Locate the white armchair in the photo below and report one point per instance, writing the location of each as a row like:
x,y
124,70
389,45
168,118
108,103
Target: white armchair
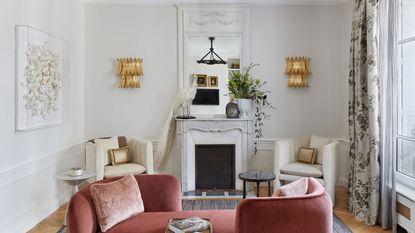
x,y
141,154
287,168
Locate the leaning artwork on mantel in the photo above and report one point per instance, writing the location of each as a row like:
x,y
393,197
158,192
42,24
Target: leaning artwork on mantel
x,y
38,78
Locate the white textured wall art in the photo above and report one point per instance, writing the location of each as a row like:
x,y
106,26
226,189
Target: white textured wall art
x,y
39,79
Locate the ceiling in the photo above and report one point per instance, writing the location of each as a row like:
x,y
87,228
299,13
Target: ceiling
x,y
251,2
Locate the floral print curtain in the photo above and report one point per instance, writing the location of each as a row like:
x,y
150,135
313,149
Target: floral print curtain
x,y
364,118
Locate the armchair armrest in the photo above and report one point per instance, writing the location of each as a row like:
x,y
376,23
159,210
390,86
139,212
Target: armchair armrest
x,y
283,155
94,160
142,152
330,153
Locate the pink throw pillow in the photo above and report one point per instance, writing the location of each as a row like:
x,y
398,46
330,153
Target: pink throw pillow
x,y
116,201
295,188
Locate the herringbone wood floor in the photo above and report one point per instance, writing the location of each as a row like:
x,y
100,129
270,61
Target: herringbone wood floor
x,y
54,222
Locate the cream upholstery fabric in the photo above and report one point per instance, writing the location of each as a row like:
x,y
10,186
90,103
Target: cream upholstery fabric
x,y
141,152
319,143
123,169
303,169
106,145
285,153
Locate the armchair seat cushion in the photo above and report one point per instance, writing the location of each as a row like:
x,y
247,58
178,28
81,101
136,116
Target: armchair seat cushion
x,y
303,169
123,170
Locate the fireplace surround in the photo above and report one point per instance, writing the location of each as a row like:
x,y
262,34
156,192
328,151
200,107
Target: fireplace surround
x,y
217,130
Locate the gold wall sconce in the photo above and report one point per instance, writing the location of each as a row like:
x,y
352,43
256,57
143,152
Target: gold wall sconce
x,y
130,70
298,70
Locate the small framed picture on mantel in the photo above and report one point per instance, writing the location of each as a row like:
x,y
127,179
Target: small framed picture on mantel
x,y
201,79
213,81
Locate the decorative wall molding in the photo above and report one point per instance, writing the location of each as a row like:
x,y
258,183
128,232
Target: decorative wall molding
x,y
210,20
10,175
46,194
250,2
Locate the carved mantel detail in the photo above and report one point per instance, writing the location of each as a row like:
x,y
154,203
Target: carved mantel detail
x,y
212,131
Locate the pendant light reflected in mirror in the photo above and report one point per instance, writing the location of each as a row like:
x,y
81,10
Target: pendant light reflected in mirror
x,y
211,56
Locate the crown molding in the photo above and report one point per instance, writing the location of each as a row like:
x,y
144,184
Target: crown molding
x,y
219,2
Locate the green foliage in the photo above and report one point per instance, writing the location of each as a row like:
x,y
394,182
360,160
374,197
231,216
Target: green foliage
x,y
243,86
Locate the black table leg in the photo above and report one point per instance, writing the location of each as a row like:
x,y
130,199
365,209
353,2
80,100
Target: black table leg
x,y
244,191
269,188
257,189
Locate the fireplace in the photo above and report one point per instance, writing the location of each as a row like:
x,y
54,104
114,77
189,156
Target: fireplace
x,y
219,131
215,166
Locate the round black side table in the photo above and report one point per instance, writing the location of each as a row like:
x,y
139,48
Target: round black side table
x,y
258,177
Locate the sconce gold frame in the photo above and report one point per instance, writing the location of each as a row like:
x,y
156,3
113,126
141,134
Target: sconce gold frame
x,y
298,70
130,70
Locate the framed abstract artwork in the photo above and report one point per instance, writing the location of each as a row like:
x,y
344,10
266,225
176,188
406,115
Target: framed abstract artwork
x,y
39,78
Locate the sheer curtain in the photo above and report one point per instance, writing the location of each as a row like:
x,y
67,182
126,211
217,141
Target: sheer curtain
x,y
388,15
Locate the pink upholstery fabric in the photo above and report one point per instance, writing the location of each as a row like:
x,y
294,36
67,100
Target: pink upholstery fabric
x,y
295,188
223,221
311,213
159,193
116,201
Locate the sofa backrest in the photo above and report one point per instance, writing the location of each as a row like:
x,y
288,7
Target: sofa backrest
x,y
159,193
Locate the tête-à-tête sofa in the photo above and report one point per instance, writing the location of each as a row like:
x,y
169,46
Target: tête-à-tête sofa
x,y
161,195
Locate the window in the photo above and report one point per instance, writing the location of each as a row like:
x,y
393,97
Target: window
x,y
406,93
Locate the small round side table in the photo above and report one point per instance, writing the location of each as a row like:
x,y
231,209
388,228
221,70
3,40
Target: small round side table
x,y
258,177
74,181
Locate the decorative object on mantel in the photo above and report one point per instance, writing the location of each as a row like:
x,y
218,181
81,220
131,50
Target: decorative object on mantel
x,y
201,80
298,70
39,78
212,60
213,81
130,70
181,110
248,91
232,110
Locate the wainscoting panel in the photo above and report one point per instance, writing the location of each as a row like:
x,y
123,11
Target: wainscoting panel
x,y
29,192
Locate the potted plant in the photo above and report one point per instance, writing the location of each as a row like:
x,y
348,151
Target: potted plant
x,y
249,91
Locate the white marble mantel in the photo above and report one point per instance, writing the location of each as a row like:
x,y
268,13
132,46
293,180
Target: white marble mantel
x,y
212,130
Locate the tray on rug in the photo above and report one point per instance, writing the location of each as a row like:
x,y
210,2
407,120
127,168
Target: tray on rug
x,y
210,230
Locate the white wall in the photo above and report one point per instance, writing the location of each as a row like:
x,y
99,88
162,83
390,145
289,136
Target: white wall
x,y
28,191
319,32
145,31
276,32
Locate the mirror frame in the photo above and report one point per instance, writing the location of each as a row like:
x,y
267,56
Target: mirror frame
x,y
210,20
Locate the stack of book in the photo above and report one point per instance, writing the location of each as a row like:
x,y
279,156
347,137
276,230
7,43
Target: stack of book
x,y
188,225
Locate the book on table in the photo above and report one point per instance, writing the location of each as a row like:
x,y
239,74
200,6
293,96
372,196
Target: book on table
x,y
188,225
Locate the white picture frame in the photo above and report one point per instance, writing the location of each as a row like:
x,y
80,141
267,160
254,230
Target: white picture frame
x,y
39,79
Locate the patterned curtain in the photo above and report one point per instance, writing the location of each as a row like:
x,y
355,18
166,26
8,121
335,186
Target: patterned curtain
x,y
364,118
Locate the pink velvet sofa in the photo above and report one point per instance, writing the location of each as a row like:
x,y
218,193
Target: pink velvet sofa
x,y
161,195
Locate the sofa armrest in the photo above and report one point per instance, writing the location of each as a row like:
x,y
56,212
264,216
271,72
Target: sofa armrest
x,y
282,156
330,153
160,193
284,214
94,160
142,153
81,216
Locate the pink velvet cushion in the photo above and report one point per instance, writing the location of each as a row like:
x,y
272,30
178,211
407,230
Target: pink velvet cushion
x,y
116,201
295,188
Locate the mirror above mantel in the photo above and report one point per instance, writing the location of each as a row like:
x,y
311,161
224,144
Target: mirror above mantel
x,y
229,26
228,47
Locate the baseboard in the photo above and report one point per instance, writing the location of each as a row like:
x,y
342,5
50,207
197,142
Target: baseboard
x,y
342,181
29,193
